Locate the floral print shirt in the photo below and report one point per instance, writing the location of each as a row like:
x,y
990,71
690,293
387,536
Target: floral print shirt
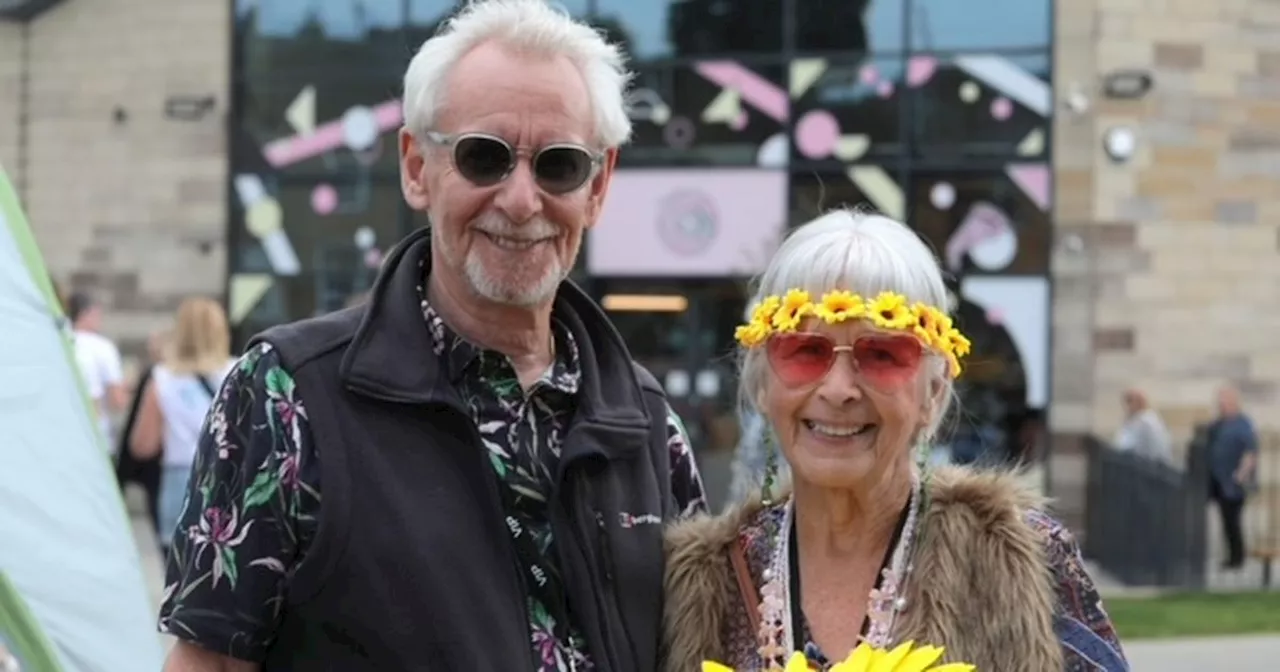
x,y
254,503
1078,605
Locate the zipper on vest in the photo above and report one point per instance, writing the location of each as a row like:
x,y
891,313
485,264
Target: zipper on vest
x,y
605,549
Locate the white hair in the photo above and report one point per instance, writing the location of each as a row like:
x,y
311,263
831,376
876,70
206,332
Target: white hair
x,y
530,26
858,252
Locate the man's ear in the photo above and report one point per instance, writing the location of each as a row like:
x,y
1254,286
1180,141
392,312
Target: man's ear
x,y
600,186
413,179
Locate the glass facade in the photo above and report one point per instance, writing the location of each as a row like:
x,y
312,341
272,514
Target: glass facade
x,y
750,116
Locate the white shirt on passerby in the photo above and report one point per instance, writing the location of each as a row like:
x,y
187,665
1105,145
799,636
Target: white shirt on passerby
x,y
184,402
1144,433
101,368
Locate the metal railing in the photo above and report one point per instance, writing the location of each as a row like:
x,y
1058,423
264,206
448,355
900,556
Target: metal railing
x,y
1145,520
1152,524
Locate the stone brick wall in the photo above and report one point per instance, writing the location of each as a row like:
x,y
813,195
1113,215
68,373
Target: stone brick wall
x,y
124,201
1168,267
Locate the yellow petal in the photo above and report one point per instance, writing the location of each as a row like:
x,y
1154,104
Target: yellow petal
x,y
710,666
889,661
797,663
859,660
919,660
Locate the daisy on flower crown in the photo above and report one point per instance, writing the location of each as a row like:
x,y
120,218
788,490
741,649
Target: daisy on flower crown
x,y
888,310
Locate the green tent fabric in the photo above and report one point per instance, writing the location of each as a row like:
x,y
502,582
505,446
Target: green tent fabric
x,y
72,594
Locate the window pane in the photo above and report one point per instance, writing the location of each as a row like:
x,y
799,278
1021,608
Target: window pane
x,y
981,24
981,105
850,111
986,223
660,340
313,123
850,25
319,35
661,28
642,28
317,227
695,115
286,299
868,186
424,17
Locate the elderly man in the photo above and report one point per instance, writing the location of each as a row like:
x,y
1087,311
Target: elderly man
x,y
467,472
1233,459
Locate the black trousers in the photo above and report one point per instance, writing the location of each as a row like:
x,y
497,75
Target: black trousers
x,y
1232,511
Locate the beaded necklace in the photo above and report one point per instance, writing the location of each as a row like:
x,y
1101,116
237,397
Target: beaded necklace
x,y
776,637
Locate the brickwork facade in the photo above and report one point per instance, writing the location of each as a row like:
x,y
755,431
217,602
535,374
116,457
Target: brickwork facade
x,y
124,201
1167,267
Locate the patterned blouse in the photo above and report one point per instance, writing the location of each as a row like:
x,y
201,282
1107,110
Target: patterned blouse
x,y
253,508
1078,599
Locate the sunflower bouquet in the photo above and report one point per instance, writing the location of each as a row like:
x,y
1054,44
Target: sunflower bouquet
x,y
904,658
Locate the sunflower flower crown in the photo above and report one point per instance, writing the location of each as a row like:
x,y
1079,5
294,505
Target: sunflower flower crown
x,y
889,310
906,657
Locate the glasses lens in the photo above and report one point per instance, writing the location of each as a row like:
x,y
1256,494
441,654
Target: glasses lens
x,y
483,161
560,170
888,360
799,359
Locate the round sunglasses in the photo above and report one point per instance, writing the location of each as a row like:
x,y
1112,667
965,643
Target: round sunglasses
x,y
485,160
884,360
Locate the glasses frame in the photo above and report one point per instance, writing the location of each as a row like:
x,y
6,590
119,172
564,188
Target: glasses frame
x,y
451,140
836,349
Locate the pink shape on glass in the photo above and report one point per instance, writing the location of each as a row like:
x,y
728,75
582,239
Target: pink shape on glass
x,y
1034,180
920,69
324,199
325,138
759,92
817,133
868,74
1001,108
739,122
995,316
885,89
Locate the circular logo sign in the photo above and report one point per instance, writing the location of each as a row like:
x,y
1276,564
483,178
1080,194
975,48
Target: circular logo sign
x,y
687,222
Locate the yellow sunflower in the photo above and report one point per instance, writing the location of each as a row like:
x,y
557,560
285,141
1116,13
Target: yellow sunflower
x,y
890,311
795,307
838,306
926,328
751,335
901,659
763,313
959,344
867,659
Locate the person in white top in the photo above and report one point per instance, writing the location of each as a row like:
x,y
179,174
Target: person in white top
x,y
1143,432
176,400
99,363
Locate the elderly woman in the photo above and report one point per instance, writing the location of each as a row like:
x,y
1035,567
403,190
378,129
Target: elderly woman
x,y
850,357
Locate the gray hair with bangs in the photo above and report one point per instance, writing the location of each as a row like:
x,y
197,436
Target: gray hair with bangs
x,y
859,252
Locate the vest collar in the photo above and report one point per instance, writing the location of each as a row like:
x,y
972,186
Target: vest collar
x,y
391,358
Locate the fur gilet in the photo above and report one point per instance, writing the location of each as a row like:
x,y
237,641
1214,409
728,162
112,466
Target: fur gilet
x,y
981,585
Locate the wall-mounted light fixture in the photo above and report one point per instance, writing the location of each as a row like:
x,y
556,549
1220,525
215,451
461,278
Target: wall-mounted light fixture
x,y
1120,142
1127,84
188,108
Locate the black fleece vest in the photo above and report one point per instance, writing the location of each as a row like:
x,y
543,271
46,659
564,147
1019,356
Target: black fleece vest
x,y
412,567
